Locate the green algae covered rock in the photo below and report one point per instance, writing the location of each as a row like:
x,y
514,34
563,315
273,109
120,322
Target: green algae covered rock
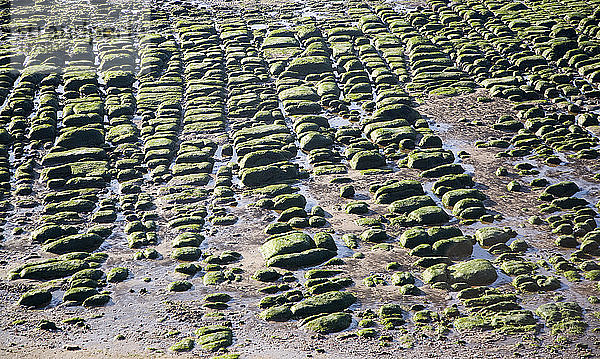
x,y
53,270
329,323
214,337
85,242
489,236
473,272
286,244
117,274
184,345
36,298
281,313
329,302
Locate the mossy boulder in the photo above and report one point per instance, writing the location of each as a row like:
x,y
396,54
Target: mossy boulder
x,y
264,175
402,278
263,158
436,273
398,190
313,140
456,247
396,111
117,274
329,302
187,254
280,313
188,239
562,189
285,244
85,242
36,298
310,65
81,137
426,160
285,201
387,136
184,345
179,286
214,337
428,215
52,270
366,160
489,236
79,294
96,300
214,277
413,237
324,240
51,232
374,235
565,317
307,258
410,204
450,198
473,272
357,207
292,212
329,323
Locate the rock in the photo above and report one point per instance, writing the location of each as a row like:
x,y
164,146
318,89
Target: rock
x,y
97,300
85,242
325,240
436,273
285,201
186,253
79,294
347,191
292,212
374,235
562,189
263,175
366,160
287,243
443,170
402,278
330,302
429,215
513,186
357,207
457,247
179,286
413,237
330,323
187,239
36,298
426,160
117,274
184,345
489,236
53,270
306,258
214,337
263,158
566,317
310,65
450,198
312,140
281,313
474,272
398,190
410,204
81,137
217,297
